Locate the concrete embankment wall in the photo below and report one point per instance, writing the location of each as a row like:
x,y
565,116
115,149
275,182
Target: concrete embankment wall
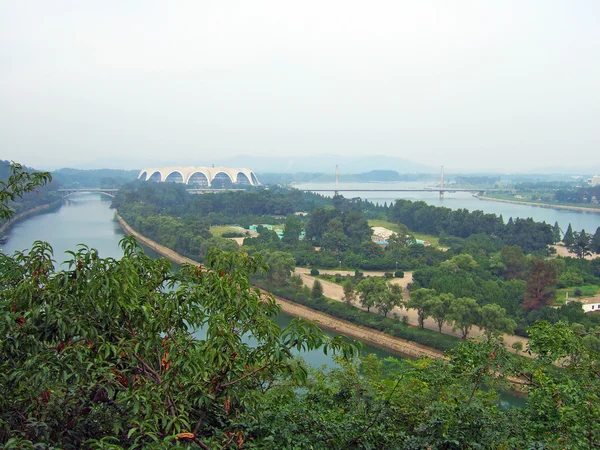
x,y
367,335
28,213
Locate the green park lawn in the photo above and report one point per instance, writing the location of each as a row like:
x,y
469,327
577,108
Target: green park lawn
x,y
588,290
218,230
435,240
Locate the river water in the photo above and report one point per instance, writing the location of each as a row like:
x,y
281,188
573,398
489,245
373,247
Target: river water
x,y
579,220
87,218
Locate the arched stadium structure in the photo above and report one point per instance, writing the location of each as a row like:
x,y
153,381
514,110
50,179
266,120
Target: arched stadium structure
x,y
201,177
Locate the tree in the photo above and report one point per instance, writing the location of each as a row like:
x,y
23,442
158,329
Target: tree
x,y
556,233
517,346
493,320
419,300
401,239
463,262
280,266
439,308
389,298
349,294
19,183
568,238
292,230
595,242
464,313
317,290
581,244
369,291
103,350
540,289
515,262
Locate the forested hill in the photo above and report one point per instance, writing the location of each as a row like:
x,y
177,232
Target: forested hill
x,y
43,195
97,178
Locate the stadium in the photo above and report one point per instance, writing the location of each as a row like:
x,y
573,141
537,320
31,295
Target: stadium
x,y
201,177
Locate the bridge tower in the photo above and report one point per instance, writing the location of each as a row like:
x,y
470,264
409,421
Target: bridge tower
x,y
442,184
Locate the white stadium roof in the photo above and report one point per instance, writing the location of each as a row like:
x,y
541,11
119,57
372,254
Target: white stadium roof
x,y
200,176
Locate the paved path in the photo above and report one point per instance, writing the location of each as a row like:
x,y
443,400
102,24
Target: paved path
x,y
336,292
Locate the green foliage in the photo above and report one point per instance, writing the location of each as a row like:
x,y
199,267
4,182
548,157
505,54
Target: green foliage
x,y
349,294
317,290
493,320
399,274
110,348
541,284
314,272
16,189
420,300
464,313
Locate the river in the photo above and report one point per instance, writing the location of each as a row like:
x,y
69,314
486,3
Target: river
x,y
579,220
87,218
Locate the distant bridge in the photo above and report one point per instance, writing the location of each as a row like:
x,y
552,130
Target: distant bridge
x,y
440,190
68,192
112,192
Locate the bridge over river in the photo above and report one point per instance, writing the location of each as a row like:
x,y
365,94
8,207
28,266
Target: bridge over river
x,y
65,192
480,191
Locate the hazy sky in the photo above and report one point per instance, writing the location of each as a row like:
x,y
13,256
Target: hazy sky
x,y
505,85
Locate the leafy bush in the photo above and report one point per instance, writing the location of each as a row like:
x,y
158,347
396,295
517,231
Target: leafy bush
x,y
314,272
388,275
232,234
399,274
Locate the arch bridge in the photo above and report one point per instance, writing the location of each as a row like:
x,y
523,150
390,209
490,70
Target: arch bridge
x,y
68,192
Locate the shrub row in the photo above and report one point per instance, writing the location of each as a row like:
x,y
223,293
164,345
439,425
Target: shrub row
x,y
391,326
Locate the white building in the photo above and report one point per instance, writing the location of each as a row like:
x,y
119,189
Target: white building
x,y
595,181
588,304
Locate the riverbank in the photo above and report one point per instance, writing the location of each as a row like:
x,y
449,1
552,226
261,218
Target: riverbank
x,y
25,214
541,205
366,335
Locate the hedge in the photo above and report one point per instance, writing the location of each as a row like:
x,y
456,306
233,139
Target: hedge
x,y
357,316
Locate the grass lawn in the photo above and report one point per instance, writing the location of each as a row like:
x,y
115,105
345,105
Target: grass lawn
x,y
435,240
588,290
218,230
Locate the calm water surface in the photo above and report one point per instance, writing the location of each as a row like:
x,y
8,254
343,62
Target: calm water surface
x,y
579,220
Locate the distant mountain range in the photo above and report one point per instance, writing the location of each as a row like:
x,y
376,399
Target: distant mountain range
x,y
282,164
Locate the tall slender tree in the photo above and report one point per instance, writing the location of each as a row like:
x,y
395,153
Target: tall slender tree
x,y
595,242
568,238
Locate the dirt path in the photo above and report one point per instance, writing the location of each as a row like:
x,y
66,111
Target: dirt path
x,y
336,292
561,250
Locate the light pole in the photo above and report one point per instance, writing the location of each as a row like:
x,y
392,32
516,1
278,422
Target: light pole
x,y
340,265
396,266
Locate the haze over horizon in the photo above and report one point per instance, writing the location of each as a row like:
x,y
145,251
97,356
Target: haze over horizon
x,y
504,87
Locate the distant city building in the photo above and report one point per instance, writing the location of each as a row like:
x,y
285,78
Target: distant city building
x,y
595,181
201,177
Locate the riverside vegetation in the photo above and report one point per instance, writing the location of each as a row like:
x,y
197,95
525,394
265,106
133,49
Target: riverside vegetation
x,y
103,355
